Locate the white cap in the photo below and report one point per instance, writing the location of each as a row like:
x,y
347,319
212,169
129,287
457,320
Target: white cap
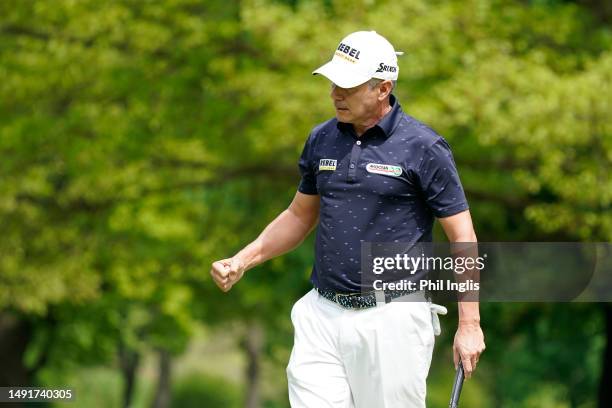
x,y
361,56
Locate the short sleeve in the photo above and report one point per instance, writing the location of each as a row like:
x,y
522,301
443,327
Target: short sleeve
x,y
308,184
439,181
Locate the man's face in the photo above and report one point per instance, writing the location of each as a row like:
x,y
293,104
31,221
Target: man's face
x,y
355,105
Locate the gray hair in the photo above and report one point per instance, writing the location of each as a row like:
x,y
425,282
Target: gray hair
x,y
375,81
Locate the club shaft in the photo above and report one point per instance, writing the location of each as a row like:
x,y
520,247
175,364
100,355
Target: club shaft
x,y
454,402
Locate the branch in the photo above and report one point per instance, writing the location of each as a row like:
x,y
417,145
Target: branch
x,y
285,174
85,42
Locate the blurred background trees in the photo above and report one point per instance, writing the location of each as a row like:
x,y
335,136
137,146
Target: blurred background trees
x,y
141,140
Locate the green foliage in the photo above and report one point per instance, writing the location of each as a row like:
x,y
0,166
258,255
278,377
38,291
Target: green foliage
x,y
203,391
92,387
140,141
557,347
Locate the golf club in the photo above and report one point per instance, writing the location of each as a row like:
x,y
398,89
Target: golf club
x,y
454,401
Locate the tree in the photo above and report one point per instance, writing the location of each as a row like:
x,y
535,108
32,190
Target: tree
x,y
141,141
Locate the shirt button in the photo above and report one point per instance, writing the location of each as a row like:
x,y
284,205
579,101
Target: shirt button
x,y
359,143
352,166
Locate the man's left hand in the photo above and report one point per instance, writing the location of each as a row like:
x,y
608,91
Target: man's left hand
x,y
469,345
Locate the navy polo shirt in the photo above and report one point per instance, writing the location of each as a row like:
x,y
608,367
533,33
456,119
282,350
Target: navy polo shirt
x,y
385,186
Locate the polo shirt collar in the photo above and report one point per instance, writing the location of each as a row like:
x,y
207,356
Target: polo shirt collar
x,y
387,124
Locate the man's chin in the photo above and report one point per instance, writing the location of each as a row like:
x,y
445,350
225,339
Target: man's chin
x,y
342,116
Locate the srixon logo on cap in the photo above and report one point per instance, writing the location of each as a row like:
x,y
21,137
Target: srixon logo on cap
x,y
386,68
348,50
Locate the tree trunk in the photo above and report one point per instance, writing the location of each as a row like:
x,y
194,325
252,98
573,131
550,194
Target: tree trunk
x,y
253,344
162,395
15,335
128,361
605,383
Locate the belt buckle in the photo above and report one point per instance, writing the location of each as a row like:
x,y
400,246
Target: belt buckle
x,y
380,297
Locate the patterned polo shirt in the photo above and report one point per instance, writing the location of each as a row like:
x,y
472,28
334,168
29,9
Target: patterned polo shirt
x,y
385,186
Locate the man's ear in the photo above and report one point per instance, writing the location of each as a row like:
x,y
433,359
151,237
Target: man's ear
x,y
385,89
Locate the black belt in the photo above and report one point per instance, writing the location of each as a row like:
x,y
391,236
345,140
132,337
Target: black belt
x,y
360,300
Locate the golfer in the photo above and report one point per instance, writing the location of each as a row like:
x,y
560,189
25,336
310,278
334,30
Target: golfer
x,y
371,174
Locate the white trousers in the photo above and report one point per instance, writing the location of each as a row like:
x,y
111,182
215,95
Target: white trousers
x,y
365,358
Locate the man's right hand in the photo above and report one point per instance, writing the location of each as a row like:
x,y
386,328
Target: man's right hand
x,y
286,232
227,272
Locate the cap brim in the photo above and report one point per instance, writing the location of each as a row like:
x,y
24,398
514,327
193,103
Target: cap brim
x,y
338,73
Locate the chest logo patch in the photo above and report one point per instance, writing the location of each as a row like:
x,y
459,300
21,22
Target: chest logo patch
x,y
327,164
384,169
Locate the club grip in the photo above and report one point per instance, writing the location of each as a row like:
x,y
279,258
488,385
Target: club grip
x,y
454,402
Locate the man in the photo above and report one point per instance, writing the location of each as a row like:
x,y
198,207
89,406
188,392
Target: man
x,y
371,174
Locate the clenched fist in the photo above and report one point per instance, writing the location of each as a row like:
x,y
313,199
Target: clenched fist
x,y
227,272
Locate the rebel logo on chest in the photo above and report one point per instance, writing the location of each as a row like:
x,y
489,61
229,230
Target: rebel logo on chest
x,y
327,164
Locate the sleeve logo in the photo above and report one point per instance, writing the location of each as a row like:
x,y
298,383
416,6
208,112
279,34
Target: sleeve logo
x,y
327,164
384,169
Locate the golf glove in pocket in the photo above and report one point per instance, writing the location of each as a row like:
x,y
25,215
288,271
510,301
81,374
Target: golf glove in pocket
x,y
435,321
